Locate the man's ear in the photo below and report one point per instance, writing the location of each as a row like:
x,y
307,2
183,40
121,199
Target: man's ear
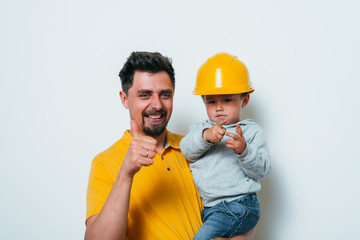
x,y
246,100
124,99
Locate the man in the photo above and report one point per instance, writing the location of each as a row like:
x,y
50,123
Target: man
x,y
141,187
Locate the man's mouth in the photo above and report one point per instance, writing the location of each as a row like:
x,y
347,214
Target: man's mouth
x,y
154,122
155,116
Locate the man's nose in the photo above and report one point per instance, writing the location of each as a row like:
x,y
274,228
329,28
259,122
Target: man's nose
x,y
156,103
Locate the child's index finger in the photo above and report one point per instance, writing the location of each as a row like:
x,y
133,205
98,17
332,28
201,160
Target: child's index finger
x,y
221,122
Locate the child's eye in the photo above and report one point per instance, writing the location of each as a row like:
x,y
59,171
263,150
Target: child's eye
x,y
227,100
211,102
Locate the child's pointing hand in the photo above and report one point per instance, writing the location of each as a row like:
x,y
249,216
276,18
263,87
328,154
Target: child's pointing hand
x,y
215,133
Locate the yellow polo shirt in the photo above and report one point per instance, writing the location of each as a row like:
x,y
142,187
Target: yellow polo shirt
x,y
164,202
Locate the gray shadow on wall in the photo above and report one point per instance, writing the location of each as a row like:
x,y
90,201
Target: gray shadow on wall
x,y
269,186
268,212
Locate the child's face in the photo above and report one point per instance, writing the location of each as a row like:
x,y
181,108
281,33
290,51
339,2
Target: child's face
x,y
225,107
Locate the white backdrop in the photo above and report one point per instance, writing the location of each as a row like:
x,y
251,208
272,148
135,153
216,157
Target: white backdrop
x,y
59,103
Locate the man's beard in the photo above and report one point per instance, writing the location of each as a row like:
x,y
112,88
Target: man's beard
x,y
155,129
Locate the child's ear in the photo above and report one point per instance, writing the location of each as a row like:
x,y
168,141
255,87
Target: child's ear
x,y
246,100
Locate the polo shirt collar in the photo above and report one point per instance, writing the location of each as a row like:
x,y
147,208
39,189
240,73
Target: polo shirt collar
x,y
172,140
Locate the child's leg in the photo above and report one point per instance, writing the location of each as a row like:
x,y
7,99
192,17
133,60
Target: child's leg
x,y
248,236
247,213
230,219
215,223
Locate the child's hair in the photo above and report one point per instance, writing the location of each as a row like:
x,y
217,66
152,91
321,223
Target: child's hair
x,y
242,95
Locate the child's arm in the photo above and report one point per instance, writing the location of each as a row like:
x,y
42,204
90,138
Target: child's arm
x,y
200,140
253,152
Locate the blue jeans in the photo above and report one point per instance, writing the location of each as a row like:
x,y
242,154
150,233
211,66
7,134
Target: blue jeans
x,y
229,219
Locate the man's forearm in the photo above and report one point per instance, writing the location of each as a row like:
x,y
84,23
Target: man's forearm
x,y
111,222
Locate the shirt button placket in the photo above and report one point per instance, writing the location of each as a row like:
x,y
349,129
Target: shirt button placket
x,y
162,158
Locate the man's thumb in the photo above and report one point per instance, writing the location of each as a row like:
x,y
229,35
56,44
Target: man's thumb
x,y
134,128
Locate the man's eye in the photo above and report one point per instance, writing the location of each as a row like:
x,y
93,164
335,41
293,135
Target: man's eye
x,y
166,95
143,96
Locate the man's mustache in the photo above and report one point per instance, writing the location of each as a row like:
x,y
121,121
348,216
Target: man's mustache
x,y
155,112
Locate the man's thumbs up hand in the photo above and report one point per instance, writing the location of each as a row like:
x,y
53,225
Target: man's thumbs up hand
x,y
140,153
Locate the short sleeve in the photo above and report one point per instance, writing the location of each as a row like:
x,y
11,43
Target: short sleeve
x,y
99,187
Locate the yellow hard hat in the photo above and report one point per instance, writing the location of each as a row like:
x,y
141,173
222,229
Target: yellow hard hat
x,y
222,74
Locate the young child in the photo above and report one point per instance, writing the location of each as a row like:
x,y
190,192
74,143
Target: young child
x,y
227,157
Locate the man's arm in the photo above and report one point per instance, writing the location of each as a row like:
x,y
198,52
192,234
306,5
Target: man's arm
x,y
111,222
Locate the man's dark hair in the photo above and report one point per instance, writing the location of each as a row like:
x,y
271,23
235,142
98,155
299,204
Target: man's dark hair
x,y
144,62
